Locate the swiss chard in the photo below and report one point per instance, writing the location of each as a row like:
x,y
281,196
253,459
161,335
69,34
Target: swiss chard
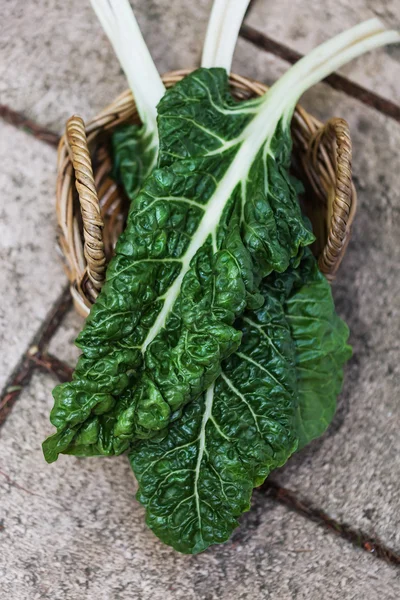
x,y
134,148
133,155
199,236
320,339
217,215
213,351
271,397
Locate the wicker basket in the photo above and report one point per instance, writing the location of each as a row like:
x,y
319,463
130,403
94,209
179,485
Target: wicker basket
x,y
91,214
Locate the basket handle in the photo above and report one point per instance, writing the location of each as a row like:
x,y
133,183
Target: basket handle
x,y
90,209
338,184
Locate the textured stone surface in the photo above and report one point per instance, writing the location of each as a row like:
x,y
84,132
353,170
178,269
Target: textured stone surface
x,y
67,63
252,62
31,276
62,344
73,531
302,25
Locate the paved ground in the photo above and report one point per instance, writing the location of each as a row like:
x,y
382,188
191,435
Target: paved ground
x,y
73,530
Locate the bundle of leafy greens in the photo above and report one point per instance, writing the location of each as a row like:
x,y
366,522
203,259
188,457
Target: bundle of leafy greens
x,y
213,351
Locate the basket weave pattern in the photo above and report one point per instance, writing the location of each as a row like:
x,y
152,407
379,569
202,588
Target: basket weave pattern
x,y
92,208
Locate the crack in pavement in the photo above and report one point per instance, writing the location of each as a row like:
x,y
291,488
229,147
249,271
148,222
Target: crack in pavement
x,y
18,119
36,357
305,508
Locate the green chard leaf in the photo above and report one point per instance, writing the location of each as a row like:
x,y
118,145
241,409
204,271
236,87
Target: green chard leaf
x,y
320,337
198,480
218,213
134,155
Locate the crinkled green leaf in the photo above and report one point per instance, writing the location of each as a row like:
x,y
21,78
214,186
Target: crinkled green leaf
x,y
321,339
219,213
270,398
134,156
199,479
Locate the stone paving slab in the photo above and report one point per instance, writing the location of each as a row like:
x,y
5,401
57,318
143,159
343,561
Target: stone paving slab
x,y
62,343
59,53
254,63
73,531
31,276
302,25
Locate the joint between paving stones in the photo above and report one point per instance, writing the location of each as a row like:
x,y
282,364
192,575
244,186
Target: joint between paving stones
x,y
36,357
306,509
20,121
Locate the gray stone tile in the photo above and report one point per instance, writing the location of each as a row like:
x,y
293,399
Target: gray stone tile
x,y
31,276
59,62
174,31
303,25
62,344
73,531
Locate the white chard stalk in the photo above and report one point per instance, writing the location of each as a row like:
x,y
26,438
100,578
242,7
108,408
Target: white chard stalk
x,y
280,100
122,29
222,33
333,54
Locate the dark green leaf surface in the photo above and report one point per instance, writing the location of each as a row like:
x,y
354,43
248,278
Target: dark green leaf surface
x,y
321,339
134,157
269,399
199,479
218,214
